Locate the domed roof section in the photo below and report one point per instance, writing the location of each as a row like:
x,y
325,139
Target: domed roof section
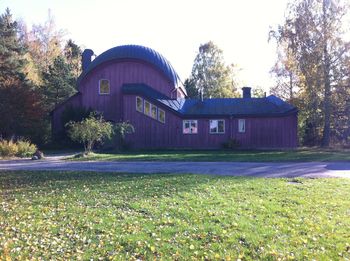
x,y
136,52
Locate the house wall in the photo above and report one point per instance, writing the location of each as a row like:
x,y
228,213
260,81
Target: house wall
x,y
56,123
118,73
268,132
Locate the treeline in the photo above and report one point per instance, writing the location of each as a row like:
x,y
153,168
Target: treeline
x,y
38,70
313,69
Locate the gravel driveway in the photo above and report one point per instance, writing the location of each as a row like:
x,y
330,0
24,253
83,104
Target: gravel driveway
x,y
265,169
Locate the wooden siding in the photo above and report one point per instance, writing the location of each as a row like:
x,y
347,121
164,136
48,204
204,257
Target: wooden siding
x,y
268,132
119,73
278,132
56,123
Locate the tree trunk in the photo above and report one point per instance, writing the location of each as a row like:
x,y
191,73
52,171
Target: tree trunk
x,y
327,106
327,83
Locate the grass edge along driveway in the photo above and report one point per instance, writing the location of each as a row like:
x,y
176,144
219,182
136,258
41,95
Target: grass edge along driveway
x,y
299,155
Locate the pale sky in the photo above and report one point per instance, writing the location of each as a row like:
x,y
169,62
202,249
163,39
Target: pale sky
x,y
173,28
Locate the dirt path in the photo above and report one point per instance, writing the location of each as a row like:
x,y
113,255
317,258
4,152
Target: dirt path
x,y
265,169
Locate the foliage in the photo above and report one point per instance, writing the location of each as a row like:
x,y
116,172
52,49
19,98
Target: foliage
x,y
231,144
19,148
59,83
75,114
37,71
192,91
72,53
83,216
20,105
258,92
121,129
210,75
90,131
44,43
312,68
301,155
8,148
25,148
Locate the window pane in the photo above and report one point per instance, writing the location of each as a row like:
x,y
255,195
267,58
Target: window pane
x,y
104,87
221,126
186,127
139,104
194,126
147,110
213,126
161,115
153,111
241,125
190,126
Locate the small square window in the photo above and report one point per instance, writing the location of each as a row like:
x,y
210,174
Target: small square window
x,y
216,126
190,127
139,104
153,111
241,125
161,115
104,87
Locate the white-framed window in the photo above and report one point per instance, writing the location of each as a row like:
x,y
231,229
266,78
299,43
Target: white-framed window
x,y
241,125
153,111
147,108
161,115
104,87
190,127
217,126
139,104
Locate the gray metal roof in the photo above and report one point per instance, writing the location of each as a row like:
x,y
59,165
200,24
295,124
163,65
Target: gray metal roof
x,y
268,106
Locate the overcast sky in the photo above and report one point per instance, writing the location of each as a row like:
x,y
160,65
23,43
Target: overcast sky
x,y
173,28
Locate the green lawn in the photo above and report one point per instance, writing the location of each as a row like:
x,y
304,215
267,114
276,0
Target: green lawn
x,y
222,155
62,215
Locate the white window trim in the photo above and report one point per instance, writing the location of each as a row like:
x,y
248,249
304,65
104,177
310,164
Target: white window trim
x,y
137,109
218,127
239,129
159,110
99,87
183,126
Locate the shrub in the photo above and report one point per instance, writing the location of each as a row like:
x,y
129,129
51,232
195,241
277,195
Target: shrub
x,y
20,148
231,144
8,148
90,131
121,129
25,148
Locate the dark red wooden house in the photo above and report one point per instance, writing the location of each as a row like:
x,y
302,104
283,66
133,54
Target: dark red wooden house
x,y
137,84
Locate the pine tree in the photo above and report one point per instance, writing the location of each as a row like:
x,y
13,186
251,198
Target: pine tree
x,y
11,51
72,53
59,83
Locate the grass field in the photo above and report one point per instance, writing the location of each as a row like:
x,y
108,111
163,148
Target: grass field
x,y
222,155
77,215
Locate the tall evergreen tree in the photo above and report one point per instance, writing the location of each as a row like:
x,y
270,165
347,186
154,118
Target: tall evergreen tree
x,y
11,51
59,83
72,53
